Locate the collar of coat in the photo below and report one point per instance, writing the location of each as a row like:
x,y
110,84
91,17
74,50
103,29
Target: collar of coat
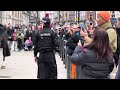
x,y
106,25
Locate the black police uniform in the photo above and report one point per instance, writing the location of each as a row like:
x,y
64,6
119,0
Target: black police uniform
x,y
45,42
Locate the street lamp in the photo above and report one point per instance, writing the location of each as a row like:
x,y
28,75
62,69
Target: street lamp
x,y
78,16
59,17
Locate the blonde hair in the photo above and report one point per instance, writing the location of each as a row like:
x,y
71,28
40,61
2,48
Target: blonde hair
x,y
71,31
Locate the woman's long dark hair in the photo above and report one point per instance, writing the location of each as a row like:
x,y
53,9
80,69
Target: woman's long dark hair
x,y
101,45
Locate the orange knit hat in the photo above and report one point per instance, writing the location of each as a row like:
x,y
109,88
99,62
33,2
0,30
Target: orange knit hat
x,y
105,15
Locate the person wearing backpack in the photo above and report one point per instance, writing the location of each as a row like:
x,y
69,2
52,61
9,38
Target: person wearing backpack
x,y
103,21
96,59
118,32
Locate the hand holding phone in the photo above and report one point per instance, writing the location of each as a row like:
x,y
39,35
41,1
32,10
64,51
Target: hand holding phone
x,y
83,28
79,43
83,33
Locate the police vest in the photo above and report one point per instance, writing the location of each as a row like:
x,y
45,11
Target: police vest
x,y
45,40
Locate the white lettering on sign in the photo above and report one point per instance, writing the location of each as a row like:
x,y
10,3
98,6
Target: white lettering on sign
x,y
45,34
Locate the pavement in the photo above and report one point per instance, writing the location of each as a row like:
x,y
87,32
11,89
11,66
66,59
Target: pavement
x,y
21,65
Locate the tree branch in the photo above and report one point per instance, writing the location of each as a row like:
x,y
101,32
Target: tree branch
x,y
34,14
37,20
28,14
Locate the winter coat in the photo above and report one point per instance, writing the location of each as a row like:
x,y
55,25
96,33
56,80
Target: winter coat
x,y
3,42
72,42
20,35
10,34
111,33
91,68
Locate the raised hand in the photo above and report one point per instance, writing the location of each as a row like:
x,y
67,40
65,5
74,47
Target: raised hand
x,y
79,43
84,34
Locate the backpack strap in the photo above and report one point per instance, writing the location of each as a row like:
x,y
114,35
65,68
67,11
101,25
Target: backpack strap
x,y
109,28
118,41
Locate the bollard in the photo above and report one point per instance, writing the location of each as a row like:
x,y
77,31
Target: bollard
x,y
68,67
14,45
59,52
73,71
61,48
66,57
63,51
66,62
77,72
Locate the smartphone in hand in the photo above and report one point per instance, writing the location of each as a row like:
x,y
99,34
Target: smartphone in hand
x,y
79,43
83,28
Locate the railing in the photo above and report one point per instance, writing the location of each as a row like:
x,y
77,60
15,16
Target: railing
x,y
66,60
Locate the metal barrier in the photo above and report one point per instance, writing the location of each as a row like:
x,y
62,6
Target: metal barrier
x,y
66,60
64,51
77,72
61,48
68,67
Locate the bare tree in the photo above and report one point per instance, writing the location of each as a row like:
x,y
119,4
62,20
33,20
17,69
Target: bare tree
x,y
34,15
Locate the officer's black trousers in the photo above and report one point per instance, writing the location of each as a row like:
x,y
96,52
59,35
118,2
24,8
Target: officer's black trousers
x,y
47,70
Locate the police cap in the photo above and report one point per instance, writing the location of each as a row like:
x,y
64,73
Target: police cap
x,y
46,20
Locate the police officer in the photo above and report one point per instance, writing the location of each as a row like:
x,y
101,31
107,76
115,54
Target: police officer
x,y
45,42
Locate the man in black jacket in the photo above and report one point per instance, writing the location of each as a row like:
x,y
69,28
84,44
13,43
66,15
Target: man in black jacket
x,y
10,32
45,42
67,33
4,44
73,40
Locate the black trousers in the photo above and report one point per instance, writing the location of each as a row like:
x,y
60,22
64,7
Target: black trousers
x,y
116,58
47,70
19,42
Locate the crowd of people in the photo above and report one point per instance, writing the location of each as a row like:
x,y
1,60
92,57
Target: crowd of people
x,y
21,37
95,48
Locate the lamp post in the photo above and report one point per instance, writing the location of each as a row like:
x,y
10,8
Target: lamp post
x,y
78,16
59,15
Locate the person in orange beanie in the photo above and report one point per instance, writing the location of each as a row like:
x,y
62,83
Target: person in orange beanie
x,y
105,15
103,22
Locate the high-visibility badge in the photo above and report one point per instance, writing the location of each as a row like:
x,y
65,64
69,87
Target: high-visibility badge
x,y
76,19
